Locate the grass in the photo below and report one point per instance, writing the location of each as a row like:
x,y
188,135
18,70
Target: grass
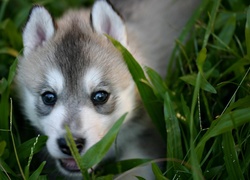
x,y
201,108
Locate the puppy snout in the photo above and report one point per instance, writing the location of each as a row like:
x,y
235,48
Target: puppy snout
x,y
80,142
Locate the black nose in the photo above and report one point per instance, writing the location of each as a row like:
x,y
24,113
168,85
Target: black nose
x,y
80,142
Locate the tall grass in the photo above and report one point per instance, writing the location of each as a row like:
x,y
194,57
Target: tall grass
x,y
201,108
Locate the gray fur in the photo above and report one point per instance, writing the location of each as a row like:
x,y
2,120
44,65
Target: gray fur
x,y
154,26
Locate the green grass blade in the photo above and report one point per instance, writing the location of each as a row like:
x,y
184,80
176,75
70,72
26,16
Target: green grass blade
x,y
9,51
123,166
3,8
38,171
236,5
205,85
233,96
245,164
183,35
108,177
149,99
5,104
236,66
174,142
140,178
159,85
247,32
6,168
209,30
3,174
3,85
157,172
32,152
71,144
223,124
24,149
201,59
196,170
11,31
227,32
12,72
241,103
13,141
230,157
95,154
2,147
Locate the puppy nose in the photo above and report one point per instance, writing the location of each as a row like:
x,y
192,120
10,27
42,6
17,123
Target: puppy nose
x,y
80,142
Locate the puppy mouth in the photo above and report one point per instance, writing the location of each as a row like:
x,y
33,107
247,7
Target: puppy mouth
x,y
69,164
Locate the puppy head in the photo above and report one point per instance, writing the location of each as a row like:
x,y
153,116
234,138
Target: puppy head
x,y
72,75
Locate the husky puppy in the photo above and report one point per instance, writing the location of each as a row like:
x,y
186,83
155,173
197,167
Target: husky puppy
x,y
71,74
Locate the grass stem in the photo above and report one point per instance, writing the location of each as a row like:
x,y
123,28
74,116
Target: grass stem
x,y
13,141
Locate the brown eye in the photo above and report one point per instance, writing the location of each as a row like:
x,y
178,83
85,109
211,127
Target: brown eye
x,y
99,97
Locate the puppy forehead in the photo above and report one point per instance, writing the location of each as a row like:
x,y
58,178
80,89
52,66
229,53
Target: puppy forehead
x,y
55,79
93,77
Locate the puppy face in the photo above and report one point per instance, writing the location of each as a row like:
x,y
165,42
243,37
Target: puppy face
x,y
71,75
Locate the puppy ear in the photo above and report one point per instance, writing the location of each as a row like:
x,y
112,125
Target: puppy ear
x,y
39,29
105,20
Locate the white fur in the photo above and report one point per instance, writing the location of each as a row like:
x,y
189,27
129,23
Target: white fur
x,y
94,125
29,106
38,30
106,21
92,78
102,123
55,80
54,129
126,102
49,125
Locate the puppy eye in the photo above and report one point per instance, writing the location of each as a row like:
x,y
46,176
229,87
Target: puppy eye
x,y
99,97
49,98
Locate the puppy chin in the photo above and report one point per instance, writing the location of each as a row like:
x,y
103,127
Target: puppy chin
x,y
68,168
